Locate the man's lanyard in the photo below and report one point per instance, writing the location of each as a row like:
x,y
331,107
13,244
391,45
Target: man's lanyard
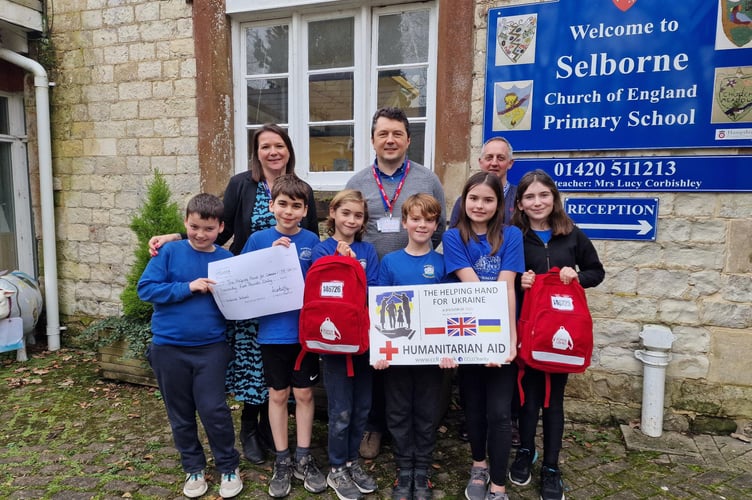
x,y
389,204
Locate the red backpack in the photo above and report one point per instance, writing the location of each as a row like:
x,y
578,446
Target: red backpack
x,y
555,329
334,318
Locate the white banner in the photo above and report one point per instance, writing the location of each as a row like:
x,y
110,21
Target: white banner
x,y
420,324
259,283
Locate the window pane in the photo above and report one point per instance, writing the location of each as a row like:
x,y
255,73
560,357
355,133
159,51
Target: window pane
x,y
8,253
4,120
417,143
331,97
267,101
330,44
267,49
403,38
331,148
404,88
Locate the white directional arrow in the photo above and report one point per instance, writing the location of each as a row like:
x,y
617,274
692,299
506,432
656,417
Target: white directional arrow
x,y
642,227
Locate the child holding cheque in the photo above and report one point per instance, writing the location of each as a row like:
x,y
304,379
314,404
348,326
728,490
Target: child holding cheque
x,y
412,392
481,248
278,338
348,397
188,352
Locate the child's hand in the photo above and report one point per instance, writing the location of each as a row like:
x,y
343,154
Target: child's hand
x,y
156,242
381,364
343,248
527,279
512,353
202,285
567,275
283,241
448,363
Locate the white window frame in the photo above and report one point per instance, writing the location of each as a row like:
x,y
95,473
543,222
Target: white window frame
x,y
297,13
17,138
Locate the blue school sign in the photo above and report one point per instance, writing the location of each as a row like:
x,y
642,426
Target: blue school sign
x,y
620,74
615,218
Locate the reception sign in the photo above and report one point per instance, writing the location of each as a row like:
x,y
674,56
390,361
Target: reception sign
x,y
620,74
420,324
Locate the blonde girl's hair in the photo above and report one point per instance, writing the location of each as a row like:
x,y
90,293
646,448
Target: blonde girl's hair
x,y
559,221
494,234
429,207
346,196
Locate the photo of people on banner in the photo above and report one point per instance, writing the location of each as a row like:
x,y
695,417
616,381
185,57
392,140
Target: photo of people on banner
x,y
420,324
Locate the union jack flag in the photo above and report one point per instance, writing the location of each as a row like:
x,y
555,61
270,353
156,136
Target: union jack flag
x,y
465,326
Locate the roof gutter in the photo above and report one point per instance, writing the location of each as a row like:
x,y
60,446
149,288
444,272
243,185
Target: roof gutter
x,y
44,144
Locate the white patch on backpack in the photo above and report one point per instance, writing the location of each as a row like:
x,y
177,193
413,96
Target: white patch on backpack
x,y
562,340
332,289
562,302
329,330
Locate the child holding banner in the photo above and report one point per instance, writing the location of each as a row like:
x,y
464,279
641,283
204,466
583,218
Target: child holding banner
x,y
550,240
481,248
413,392
278,338
348,398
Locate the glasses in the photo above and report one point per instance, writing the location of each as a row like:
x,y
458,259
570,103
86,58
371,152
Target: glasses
x,y
500,158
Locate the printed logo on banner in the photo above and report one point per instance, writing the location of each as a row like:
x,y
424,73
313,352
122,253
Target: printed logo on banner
x,y
394,310
625,5
512,101
516,34
733,93
736,18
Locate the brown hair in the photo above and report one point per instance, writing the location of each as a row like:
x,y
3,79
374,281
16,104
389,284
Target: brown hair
x,y
290,185
346,196
206,206
494,235
429,207
559,221
256,171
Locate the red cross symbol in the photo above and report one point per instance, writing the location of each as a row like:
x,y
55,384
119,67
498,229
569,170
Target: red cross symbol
x,y
388,350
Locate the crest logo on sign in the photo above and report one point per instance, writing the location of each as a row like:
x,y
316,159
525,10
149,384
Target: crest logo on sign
x,y
734,95
516,34
736,19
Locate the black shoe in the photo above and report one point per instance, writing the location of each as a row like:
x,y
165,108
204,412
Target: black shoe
x,y
252,450
519,471
552,488
403,485
422,485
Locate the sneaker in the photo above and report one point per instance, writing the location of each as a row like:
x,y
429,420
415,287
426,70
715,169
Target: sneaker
x,y
195,484
342,484
552,488
478,483
280,485
496,495
370,445
231,484
422,485
403,485
519,471
307,471
364,482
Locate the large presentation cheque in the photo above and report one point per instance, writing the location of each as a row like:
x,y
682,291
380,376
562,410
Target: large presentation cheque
x,y
259,283
420,324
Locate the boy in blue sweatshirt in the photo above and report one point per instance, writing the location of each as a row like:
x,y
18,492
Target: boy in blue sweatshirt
x,y
280,346
189,353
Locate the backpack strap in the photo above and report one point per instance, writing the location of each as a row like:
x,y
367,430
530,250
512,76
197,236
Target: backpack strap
x,y
299,361
349,361
521,375
547,400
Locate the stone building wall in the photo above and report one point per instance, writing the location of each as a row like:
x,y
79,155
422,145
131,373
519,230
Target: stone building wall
x,y
124,103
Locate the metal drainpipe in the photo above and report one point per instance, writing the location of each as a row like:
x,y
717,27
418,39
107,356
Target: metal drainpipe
x,y
655,357
44,145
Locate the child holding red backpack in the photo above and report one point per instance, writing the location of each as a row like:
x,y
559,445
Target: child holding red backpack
x,y
348,397
550,240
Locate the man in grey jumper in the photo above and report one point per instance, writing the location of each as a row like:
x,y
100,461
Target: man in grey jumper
x,y
400,178
386,185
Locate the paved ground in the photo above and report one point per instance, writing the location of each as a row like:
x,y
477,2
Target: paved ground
x,y
67,434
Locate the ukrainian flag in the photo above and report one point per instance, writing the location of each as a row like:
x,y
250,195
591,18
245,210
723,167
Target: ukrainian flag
x,y
489,325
